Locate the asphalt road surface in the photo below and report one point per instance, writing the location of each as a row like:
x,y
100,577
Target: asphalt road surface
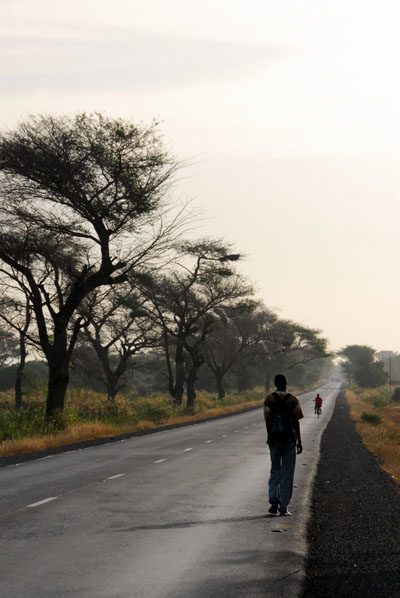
x,y
177,514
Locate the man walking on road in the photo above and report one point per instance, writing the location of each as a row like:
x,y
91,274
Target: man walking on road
x,y
282,412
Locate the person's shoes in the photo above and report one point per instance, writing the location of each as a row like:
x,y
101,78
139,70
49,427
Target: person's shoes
x,y
285,513
273,509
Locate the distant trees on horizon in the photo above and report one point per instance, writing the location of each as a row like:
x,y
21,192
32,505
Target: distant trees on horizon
x,y
361,366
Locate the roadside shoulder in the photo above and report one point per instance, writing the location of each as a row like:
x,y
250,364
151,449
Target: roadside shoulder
x,y
353,529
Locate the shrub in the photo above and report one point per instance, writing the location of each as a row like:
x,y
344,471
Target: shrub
x,y
204,401
28,422
377,397
371,418
90,405
7,400
154,409
396,395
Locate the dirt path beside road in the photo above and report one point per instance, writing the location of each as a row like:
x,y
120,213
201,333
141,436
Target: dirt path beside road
x,y
354,529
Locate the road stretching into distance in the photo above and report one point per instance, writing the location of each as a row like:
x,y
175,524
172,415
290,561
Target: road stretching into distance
x,y
177,514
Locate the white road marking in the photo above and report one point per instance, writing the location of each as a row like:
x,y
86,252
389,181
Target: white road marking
x,y
159,461
236,431
42,502
114,477
223,435
188,449
48,457
207,441
245,427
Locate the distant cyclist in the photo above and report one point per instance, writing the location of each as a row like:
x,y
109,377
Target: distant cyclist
x,y
318,405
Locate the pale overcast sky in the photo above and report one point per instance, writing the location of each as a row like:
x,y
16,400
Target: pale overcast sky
x,y
290,111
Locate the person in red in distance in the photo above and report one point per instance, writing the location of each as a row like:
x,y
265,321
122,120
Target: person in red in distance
x,y
318,404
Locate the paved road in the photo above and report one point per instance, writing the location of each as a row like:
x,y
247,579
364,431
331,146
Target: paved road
x,y
181,513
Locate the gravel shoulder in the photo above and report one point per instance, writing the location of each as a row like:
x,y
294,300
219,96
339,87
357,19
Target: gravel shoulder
x,y
353,532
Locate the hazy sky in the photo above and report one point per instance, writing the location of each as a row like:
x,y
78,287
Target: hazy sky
x,y
289,111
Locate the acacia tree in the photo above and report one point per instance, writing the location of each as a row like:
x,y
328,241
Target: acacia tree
x,y
118,328
289,345
76,194
237,339
183,305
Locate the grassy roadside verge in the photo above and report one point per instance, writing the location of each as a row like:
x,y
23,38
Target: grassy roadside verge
x,y
377,420
88,417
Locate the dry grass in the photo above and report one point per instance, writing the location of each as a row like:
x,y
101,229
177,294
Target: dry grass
x,y
382,438
74,433
78,432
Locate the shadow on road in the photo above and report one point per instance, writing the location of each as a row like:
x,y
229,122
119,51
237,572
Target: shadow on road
x,y
184,524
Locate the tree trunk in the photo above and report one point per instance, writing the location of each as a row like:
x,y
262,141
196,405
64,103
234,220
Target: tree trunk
x,y
191,387
197,362
58,383
58,375
18,387
112,386
179,373
20,369
112,376
219,377
170,374
243,379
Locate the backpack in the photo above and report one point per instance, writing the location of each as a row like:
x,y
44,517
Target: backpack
x,y
281,430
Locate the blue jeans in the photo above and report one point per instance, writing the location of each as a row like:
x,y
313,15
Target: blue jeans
x,y
283,461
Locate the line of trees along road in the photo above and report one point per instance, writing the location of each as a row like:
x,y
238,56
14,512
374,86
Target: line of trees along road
x,y
93,264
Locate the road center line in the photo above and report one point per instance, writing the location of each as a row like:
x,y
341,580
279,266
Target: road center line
x,y
188,449
42,502
159,461
207,441
114,477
